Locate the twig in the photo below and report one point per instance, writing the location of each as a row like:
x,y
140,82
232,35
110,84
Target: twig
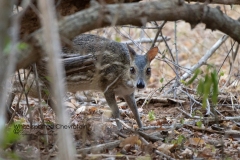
x,y
226,57
169,50
164,155
149,97
23,91
146,40
15,111
158,32
99,148
10,99
191,97
142,134
144,27
108,156
151,138
203,129
232,118
112,83
128,37
177,83
151,127
153,92
185,113
26,96
231,64
124,124
144,141
40,104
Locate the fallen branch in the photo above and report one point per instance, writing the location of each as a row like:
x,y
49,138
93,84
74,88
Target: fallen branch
x,y
99,148
229,2
164,155
108,156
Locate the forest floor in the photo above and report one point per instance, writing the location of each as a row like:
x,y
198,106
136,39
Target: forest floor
x,y
173,127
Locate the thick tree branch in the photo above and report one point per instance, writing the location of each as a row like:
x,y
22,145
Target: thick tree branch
x,y
30,21
140,13
226,2
137,14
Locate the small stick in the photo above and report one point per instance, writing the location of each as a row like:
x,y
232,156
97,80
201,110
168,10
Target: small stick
x,y
147,40
164,155
99,148
185,113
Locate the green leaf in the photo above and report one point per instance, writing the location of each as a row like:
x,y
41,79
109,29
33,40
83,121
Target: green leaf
x,y
182,121
118,39
48,78
196,73
161,80
183,82
199,124
206,89
221,73
46,91
7,48
199,113
11,135
200,87
151,116
208,86
180,139
22,46
215,86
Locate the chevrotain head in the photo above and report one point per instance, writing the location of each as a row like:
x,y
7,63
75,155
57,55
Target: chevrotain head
x,y
140,70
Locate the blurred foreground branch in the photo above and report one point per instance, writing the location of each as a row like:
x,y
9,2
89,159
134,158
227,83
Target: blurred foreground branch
x,y
7,59
55,68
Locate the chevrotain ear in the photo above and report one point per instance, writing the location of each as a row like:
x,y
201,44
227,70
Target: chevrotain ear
x,y
132,53
152,53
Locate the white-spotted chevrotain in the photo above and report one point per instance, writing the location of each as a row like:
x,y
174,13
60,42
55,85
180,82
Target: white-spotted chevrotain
x,y
116,70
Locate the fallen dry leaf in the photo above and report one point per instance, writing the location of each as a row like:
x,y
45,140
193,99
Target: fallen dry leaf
x,y
80,109
132,140
107,113
74,102
206,153
92,110
196,141
70,105
187,152
235,127
165,148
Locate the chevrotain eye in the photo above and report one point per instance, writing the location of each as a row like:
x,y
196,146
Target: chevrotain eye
x,y
148,71
132,70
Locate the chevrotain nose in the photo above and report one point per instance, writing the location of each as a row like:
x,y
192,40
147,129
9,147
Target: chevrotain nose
x,y
140,84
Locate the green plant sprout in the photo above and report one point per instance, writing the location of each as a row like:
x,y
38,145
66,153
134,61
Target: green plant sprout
x,y
151,116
